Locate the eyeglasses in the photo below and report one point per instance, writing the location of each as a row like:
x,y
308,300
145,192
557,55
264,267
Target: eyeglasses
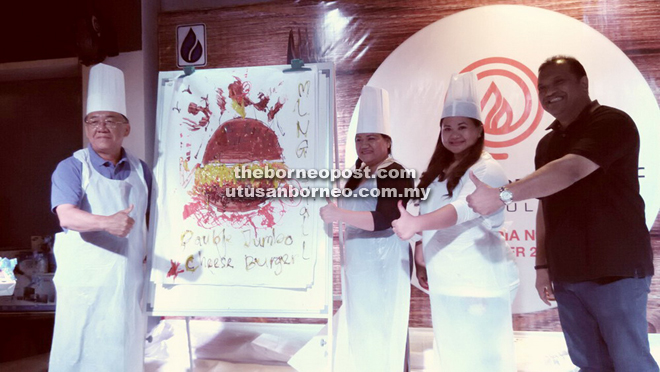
x,y
109,123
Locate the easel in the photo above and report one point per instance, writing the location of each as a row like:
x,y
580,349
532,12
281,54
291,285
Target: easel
x,y
164,299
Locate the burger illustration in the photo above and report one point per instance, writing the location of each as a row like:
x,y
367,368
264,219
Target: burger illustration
x,y
242,143
239,143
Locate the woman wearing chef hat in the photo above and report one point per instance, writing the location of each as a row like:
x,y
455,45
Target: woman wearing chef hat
x,y
376,263
466,265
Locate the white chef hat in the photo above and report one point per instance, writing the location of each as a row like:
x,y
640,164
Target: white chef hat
x,y
462,98
106,91
374,112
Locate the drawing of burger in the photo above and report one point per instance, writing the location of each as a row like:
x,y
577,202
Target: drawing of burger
x,y
238,143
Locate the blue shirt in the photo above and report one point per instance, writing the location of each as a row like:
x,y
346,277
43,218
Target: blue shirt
x,y
67,184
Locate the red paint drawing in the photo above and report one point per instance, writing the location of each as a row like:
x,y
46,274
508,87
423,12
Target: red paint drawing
x,y
174,269
240,142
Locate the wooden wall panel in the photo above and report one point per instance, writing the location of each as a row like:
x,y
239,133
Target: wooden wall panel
x,y
257,35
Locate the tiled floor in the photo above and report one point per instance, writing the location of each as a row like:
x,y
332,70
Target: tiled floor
x,y
266,348
260,344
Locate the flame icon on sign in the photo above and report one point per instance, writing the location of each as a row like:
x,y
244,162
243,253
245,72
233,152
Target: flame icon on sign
x,y
191,48
493,121
507,124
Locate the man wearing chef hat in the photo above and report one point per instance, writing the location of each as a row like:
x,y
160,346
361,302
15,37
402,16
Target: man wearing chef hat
x,y
100,196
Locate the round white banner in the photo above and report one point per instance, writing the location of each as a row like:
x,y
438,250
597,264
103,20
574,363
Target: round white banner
x,y
504,45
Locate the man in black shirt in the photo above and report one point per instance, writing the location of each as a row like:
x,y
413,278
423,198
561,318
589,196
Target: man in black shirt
x,y
593,248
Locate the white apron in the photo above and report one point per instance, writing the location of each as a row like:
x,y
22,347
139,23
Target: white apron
x,y
472,281
100,324
377,293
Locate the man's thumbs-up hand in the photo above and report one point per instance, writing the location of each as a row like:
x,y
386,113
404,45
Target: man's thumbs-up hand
x,y
485,200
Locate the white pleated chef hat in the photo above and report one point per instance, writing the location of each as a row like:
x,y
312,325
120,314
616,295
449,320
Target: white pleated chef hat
x,y
106,91
462,98
374,111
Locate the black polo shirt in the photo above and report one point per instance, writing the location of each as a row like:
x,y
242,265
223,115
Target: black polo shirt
x,y
596,227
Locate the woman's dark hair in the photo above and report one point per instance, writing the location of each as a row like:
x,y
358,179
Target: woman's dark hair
x,y
442,159
354,182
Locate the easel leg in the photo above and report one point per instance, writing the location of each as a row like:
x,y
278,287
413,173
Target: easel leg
x,y
190,353
406,362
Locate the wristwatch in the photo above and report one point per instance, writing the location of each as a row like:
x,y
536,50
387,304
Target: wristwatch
x,y
506,196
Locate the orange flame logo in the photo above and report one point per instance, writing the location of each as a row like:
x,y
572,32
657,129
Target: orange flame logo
x,y
493,123
500,120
